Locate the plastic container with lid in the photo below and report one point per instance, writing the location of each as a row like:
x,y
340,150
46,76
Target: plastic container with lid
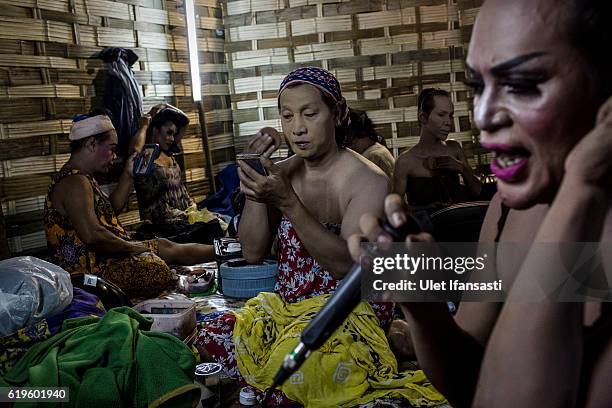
x,y
174,316
247,397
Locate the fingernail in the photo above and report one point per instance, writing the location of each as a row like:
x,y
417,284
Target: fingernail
x,y
398,218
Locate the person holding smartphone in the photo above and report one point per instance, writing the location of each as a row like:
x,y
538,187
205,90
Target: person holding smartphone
x,y
312,201
83,232
435,173
162,196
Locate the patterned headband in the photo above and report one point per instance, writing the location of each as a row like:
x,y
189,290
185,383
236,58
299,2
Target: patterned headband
x,y
323,80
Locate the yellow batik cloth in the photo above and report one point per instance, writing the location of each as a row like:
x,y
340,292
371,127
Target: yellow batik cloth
x,y
194,215
354,366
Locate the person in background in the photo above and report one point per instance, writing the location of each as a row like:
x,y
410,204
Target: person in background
x,y
542,101
363,139
434,173
313,201
81,224
162,196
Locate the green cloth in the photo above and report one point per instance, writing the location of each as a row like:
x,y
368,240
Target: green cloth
x,y
113,361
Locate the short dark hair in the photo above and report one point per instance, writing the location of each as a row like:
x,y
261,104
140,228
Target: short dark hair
x,y
169,114
361,126
426,102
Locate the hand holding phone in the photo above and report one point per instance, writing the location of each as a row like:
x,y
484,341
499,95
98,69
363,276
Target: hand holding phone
x,y
253,160
143,164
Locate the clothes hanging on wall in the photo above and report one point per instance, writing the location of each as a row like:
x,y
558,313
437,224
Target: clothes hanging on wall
x,y
122,95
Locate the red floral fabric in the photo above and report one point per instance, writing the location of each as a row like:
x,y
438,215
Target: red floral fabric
x,y
299,277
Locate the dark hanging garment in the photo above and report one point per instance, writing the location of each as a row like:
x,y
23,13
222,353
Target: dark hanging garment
x,y
122,94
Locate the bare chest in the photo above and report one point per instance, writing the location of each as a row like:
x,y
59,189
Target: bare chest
x,y
322,198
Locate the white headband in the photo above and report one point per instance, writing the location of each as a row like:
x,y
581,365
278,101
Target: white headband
x,y
90,126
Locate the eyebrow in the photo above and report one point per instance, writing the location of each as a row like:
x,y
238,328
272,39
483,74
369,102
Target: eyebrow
x,y
300,108
506,66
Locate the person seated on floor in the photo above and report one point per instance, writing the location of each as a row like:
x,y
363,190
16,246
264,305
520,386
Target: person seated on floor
x,y
434,173
162,195
81,224
313,200
363,139
542,100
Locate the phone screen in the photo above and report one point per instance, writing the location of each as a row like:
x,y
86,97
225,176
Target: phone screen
x,y
144,161
253,160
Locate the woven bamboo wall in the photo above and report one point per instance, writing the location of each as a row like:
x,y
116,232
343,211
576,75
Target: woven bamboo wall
x,y
382,51
46,76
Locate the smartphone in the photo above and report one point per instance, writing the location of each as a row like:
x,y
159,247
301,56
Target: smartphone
x,y
252,159
143,164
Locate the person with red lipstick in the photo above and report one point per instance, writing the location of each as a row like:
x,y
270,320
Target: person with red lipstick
x,y
542,86
435,173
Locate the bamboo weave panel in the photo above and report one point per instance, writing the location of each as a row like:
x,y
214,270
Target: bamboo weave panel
x,y
382,52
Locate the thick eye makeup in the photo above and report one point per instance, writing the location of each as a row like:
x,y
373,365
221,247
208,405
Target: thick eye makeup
x,y
516,80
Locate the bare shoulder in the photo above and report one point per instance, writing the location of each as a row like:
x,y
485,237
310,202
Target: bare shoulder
x,y
73,186
406,156
290,164
361,175
453,144
488,230
521,225
408,160
455,148
359,167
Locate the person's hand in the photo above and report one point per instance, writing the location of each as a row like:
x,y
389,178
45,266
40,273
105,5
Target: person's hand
x,y
144,121
589,161
400,340
265,142
371,230
129,165
274,189
156,109
445,163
